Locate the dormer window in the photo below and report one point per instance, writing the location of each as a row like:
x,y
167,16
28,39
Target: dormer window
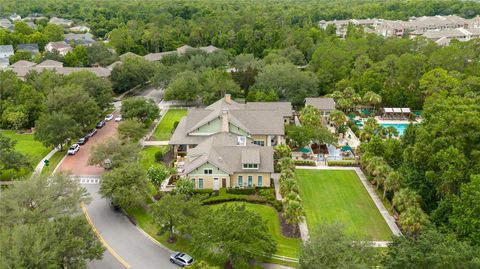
x,y
208,171
250,166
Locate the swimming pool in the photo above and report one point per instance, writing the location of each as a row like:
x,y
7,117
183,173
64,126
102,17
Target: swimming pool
x,y
399,126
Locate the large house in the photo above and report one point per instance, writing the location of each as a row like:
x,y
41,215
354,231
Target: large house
x,y
323,104
226,160
32,48
22,68
79,39
263,124
230,144
61,21
6,51
61,46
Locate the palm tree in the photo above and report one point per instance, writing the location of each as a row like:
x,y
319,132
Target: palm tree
x,y
392,183
293,211
370,128
310,116
337,117
381,171
372,99
405,198
372,163
413,220
288,185
391,131
286,174
286,164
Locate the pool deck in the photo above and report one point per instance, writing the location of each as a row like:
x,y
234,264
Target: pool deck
x,y
396,121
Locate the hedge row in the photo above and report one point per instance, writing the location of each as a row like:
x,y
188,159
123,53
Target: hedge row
x,y
304,162
245,191
342,163
254,199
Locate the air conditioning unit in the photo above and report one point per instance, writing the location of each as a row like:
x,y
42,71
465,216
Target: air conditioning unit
x,y
241,140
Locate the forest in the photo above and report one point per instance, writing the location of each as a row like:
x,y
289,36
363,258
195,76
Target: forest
x,y
274,50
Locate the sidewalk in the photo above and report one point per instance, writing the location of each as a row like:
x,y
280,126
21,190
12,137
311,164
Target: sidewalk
x,y
41,164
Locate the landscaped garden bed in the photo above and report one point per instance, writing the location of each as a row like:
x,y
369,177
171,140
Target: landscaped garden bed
x,y
339,196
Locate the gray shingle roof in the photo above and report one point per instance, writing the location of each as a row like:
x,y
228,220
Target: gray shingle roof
x,y
221,151
23,63
321,103
33,47
6,49
50,63
98,71
158,56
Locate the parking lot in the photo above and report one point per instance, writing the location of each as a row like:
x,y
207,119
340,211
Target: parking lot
x,y
78,163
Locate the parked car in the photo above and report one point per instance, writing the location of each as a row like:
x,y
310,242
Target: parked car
x,y
73,149
92,132
118,118
181,259
83,140
100,124
109,117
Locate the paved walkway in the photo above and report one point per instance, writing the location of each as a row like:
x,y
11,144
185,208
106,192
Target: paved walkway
x,y
378,203
303,230
41,164
155,143
276,182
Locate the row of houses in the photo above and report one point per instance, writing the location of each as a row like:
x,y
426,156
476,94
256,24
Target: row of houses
x,y
432,27
8,23
179,51
22,68
230,144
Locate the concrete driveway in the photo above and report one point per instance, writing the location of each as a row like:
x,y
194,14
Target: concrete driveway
x,y
78,164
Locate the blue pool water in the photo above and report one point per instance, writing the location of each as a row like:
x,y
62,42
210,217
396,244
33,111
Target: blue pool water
x,y
399,126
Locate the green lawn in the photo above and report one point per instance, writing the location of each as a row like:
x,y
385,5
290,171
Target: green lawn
x,y
165,127
54,160
339,196
285,246
28,146
147,155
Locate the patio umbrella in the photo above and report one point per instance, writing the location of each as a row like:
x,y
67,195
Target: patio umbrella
x,y
304,150
346,148
366,111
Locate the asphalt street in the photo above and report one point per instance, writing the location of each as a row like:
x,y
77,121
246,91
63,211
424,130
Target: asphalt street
x,y
127,242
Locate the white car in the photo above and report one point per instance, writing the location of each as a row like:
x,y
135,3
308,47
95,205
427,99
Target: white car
x,y
73,149
109,117
118,118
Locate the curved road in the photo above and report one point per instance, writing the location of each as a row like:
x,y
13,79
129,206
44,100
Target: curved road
x,y
127,246
128,243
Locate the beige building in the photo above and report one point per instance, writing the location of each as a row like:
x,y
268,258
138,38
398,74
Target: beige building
x,y
226,160
261,122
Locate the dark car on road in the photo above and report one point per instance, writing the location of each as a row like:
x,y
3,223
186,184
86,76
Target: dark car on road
x,y
83,140
92,132
181,259
100,124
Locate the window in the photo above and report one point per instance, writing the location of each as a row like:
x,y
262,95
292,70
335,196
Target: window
x,y
260,143
200,183
240,181
250,166
260,179
208,171
193,180
250,181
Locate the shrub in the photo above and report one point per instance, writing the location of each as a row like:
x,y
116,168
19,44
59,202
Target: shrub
x,y
244,191
223,199
304,162
342,163
175,124
210,192
159,156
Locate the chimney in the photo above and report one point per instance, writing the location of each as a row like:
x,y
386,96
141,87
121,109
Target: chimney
x,y
228,98
225,128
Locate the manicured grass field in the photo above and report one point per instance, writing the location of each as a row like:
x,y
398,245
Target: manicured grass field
x,y
339,196
285,246
147,155
165,127
28,146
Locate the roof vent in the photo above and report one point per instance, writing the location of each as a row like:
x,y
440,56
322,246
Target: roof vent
x,y
241,140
